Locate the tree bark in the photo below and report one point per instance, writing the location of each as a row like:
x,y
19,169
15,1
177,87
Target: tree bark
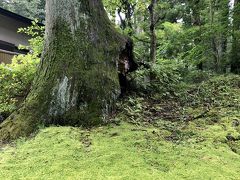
x,y
196,21
219,18
77,80
153,36
235,54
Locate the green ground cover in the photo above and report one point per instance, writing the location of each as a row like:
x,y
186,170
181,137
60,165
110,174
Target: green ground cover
x,y
199,145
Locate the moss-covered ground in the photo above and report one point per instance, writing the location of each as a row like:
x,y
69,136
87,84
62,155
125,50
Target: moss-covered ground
x,y
201,143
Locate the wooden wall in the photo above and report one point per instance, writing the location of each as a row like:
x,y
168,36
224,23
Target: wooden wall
x,y
6,57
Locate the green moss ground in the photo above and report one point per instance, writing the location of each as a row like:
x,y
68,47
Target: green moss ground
x,y
132,148
125,152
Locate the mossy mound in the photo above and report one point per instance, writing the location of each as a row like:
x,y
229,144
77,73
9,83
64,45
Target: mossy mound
x,y
169,151
148,139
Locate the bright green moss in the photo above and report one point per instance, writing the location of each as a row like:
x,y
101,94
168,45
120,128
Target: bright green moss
x,y
119,152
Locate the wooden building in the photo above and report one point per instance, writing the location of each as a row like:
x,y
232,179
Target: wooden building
x,y
9,38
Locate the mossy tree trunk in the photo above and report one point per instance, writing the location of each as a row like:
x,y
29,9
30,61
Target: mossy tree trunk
x,y
77,80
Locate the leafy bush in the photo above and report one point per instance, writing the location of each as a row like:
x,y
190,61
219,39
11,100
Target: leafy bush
x,y
197,76
36,42
15,81
163,77
166,75
16,78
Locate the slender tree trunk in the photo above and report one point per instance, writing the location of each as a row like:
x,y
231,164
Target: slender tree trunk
x,y
219,15
196,21
235,54
77,80
214,43
153,37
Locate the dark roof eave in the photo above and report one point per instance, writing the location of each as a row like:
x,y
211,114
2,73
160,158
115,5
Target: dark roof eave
x,y
17,16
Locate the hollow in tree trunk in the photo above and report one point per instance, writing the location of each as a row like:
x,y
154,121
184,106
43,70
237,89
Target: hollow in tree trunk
x,y
77,80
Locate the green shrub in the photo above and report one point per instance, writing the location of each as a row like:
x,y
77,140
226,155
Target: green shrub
x,y
197,76
140,80
16,78
15,81
163,77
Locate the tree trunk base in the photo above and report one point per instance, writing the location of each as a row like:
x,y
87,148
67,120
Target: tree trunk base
x,y
19,124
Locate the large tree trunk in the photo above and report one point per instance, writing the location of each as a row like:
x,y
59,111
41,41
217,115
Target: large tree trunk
x,y
77,80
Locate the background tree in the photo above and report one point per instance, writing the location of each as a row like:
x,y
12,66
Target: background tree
x,y
235,53
32,9
153,37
